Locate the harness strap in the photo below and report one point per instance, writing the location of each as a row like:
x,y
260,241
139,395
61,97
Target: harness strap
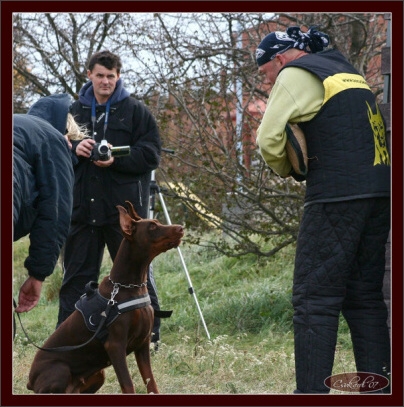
x,y
104,316
119,308
92,303
138,302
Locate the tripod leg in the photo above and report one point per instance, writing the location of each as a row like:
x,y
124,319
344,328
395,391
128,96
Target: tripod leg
x,y
190,288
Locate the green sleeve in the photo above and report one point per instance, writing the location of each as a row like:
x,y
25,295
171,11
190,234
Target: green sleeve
x,y
296,97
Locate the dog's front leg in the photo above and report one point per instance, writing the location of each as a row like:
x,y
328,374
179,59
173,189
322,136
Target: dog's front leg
x,y
144,364
117,353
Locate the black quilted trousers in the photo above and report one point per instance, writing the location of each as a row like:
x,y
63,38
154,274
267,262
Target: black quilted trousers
x,y
339,267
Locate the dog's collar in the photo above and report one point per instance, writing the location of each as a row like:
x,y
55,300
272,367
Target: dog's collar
x,y
116,288
119,285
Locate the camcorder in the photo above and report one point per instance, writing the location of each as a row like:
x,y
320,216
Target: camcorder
x,y
102,152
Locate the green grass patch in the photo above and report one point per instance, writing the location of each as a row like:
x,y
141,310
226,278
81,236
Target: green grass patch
x,y
246,304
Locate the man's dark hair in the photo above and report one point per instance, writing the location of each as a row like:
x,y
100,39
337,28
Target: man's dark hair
x,y
106,59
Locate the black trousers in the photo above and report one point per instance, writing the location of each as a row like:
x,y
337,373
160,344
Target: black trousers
x,y
83,254
339,267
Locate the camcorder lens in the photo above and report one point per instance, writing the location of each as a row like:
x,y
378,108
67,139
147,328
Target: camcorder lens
x,y
103,152
103,149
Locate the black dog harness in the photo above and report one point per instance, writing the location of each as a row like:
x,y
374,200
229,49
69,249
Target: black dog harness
x,y
93,305
99,312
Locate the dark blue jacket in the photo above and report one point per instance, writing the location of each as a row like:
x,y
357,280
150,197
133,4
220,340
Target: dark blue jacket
x,y
42,182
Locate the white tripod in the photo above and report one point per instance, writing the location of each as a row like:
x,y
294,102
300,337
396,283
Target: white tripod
x,y
154,188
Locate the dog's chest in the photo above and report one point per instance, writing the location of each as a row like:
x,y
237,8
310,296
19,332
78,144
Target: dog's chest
x,y
97,310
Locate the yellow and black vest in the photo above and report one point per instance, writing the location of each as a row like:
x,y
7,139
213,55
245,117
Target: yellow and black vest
x,y
346,143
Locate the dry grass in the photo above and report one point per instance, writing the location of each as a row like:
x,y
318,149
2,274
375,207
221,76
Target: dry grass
x,y
218,366
242,357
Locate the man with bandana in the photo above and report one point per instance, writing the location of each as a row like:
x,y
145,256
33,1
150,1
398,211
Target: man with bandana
x,y
108,112
340,253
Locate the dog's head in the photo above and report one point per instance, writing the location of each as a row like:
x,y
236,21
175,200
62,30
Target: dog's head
x,y
148,234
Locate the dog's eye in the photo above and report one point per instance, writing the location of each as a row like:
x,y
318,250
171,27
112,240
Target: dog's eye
x,y
152,226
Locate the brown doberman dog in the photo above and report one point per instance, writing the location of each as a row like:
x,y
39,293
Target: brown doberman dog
x,y
124,294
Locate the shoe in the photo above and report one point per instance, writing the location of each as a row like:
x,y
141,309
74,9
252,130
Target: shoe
x,y
154,347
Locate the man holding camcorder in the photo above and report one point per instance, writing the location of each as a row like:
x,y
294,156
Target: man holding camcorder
x,y
116,123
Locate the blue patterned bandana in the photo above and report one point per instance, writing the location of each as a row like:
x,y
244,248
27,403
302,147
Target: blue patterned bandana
x,y
278,42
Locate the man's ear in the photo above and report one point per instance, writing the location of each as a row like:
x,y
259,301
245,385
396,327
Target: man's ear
x,y
281,59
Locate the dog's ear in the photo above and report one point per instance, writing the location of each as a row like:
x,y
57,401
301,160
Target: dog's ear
x,y
126,222
132,211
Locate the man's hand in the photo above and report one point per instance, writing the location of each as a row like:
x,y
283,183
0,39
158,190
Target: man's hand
x,y
30,292
100,163
85,147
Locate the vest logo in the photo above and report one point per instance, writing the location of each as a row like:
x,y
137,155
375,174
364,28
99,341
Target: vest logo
x,y
341,82
379,134
357,382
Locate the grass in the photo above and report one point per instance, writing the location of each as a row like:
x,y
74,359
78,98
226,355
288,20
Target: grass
x,y
245,304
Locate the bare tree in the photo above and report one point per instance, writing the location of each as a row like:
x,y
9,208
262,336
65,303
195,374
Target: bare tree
x,y
198,63
198,75
56,47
